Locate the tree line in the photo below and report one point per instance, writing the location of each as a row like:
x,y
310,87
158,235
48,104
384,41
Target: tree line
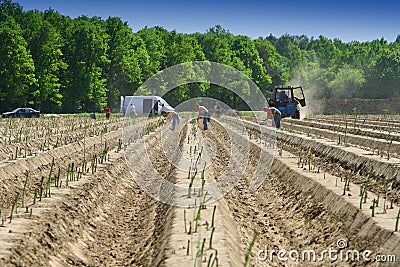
x,y
54,63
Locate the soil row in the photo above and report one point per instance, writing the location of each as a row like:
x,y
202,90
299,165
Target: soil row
x,y
354,162
382,147
104,219
360,122
25,140
349,129
55,162
303,206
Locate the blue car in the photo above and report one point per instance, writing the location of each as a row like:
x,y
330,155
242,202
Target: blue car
x,y
22,112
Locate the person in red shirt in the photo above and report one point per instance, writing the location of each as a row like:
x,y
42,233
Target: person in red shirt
x,y
275,114
108,112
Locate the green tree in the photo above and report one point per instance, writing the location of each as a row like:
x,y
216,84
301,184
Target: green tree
x,y
326,52
45,45
216,45
86,57
384,78
347,83
246,50
181,48
313,78
273,62
16,66
155,48
123,72
8,8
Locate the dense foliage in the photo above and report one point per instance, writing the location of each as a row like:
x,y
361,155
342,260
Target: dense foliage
x,y
53,63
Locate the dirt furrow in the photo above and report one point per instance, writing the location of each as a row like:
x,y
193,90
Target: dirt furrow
x,y
104,219
382,147
291,211
107,219
283,217
350,129
360,122
26,141
133,227
13,173
209,224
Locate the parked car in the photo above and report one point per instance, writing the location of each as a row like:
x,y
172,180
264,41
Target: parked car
x,y
22,112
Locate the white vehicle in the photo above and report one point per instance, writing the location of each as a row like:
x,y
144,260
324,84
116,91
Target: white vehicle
x,y
144,105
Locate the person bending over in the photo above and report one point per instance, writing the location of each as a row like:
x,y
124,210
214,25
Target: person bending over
x,y
274,114
171,115
204,114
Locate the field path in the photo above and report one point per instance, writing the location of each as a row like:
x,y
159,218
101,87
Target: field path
x,y
185,243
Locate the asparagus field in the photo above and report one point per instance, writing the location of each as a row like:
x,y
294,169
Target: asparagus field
x,y
77,191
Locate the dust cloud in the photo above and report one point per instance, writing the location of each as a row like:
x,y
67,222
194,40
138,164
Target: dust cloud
x,y
314,106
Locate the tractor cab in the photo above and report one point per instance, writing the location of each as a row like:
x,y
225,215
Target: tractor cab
x,y
288,99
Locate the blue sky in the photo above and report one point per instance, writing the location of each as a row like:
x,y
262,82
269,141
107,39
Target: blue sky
x,y
347,20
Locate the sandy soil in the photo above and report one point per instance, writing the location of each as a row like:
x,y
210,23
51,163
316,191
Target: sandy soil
x,y
106,219
282,217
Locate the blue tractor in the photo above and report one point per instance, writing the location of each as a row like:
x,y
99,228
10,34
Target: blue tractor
x,y
288,99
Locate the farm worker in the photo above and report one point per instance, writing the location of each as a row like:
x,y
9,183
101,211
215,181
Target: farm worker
x,y
132,110
108,112
154,110
274,113
217,109
271,102
204,114
281,98
172,115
